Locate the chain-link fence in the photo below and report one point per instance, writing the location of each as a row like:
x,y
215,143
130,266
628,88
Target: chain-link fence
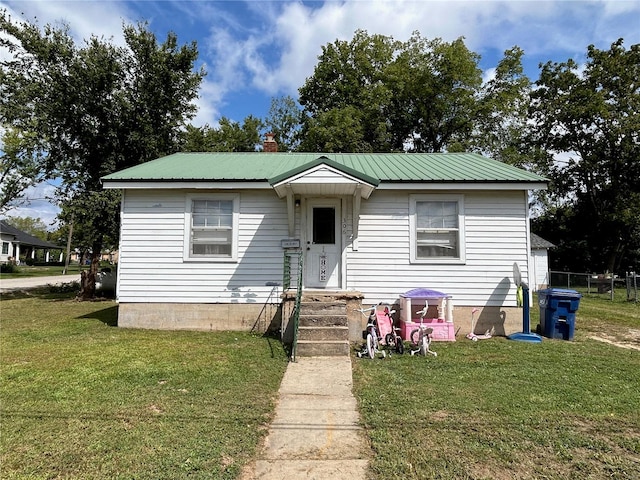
x,y
598,285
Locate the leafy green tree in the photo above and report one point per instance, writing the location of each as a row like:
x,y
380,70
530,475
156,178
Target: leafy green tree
x,y
501,128
18,167
349,77
233,137
591,115
94,109
436,84
336,130
420,95
230,136
84,214
195,139
284,121
33,226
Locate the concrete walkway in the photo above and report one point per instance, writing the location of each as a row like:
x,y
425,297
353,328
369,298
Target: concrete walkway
x,y
316,432
13,284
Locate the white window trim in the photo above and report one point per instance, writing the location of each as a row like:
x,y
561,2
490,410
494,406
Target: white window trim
x,y
187,227
413,199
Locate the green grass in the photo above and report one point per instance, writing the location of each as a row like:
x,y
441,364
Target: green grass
x,y
602,312
504,409
24,271
80,398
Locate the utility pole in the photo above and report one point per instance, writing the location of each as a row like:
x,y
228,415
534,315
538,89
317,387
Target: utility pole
x,y
66,261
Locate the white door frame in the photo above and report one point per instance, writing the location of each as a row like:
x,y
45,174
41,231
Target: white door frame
x,y
323,261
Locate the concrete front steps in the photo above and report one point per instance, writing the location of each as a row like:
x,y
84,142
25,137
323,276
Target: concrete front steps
x,y
323,329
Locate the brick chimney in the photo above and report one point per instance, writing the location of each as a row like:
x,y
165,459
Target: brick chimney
x,y
269,145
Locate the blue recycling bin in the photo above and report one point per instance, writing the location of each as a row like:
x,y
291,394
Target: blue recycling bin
x,y
558,309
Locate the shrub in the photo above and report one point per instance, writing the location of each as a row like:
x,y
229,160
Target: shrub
x,y
9,268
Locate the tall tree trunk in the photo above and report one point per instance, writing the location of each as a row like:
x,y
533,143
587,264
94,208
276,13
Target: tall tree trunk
x,y
88,277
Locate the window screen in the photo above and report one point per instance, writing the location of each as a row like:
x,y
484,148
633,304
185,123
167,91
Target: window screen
x,y
437,229
212,228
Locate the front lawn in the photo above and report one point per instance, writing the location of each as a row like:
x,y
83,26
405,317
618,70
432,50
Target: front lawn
x,y
80,398
500,409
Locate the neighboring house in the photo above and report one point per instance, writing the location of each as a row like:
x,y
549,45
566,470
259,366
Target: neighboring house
x,y
17,244
203,235
539,262
107,255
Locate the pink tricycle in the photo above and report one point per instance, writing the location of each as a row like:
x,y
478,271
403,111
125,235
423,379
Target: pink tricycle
x,y
380,331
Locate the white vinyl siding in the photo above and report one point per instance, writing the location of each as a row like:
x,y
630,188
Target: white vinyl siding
x,y
495,226
152,267
540,268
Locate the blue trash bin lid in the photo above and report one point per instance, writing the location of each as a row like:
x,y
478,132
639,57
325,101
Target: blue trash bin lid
x,y
561,292
424,293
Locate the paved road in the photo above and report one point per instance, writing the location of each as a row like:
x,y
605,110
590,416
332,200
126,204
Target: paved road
x,y
12,284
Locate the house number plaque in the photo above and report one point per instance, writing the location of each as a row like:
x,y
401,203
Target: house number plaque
x,y
323,267
290,243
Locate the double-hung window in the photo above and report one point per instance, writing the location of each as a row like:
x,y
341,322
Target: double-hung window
x,y
212,227
437,228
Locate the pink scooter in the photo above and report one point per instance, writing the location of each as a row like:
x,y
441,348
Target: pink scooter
x,y
471,335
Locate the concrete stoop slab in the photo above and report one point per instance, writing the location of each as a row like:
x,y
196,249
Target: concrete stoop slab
x,y
323,320
327,348
314,333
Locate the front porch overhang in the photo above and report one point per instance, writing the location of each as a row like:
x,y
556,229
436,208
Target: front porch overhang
x,y
323,177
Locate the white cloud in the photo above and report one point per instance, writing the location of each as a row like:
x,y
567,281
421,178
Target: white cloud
x,y
37,204
84,18
541,28
209,98
619,7
488,75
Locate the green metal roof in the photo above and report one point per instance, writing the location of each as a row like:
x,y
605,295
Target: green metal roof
x,y
272,167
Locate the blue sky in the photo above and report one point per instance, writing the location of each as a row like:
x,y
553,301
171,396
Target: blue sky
x,y
256,50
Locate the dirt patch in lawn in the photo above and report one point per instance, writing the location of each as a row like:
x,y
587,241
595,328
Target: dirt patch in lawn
x,y
623,338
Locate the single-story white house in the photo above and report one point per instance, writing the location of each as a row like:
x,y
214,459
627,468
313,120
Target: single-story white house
x,y
204,236
17,244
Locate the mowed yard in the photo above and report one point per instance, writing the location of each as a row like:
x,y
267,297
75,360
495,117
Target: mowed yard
x,y
501,409
80,398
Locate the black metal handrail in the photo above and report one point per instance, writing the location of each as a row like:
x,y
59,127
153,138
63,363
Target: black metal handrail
x,y
269,302
295,315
